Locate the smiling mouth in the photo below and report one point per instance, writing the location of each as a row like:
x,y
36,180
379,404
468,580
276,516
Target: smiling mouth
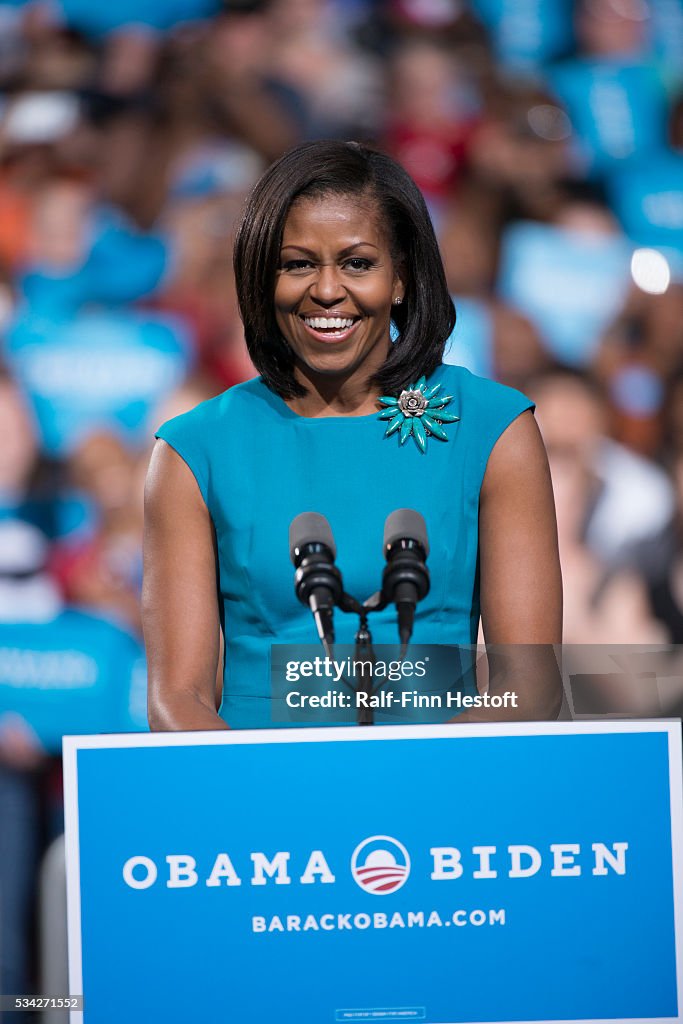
x,y
328,329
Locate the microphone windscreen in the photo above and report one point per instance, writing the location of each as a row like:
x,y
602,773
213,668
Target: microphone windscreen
x,y
310,528
405,524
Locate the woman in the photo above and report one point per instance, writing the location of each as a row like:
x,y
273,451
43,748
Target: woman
x,y
335,244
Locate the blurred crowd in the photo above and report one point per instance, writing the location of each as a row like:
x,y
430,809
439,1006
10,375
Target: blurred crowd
x,y
547,138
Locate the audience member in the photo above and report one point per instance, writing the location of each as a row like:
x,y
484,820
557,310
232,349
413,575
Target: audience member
x,y
631,497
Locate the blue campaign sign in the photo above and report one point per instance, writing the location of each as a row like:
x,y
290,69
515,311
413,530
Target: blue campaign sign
x,y
74,673
618,108
526,872
119,264
570,284
97,370
647,196
527,32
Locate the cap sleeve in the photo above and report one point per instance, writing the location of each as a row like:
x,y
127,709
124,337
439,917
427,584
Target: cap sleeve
x,y
509,404
185,434
488,409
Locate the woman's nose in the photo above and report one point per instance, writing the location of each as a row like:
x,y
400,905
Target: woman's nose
x,y
327,287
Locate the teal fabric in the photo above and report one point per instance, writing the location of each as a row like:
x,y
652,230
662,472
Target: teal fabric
x,y
258,465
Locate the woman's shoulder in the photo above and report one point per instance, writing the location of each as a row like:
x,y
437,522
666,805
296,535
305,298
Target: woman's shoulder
x,y
485,409
211,411
201,434
484,401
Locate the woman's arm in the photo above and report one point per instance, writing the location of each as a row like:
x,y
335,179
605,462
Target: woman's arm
x,y
179,598
520,580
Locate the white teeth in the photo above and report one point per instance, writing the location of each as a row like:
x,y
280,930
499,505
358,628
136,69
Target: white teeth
x,y
321,323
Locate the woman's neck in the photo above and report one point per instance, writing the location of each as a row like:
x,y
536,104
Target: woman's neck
x,y
328,396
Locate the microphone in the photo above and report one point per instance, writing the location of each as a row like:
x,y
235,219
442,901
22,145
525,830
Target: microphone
x,y
406,578
317,580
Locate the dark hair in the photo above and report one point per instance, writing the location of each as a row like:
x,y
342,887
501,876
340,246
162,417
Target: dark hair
x,y
426,317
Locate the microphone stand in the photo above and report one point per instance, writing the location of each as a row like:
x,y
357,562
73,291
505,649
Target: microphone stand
x,y
364,653
364,650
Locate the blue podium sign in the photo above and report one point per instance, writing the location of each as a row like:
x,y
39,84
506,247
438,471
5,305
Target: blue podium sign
x,y
498,873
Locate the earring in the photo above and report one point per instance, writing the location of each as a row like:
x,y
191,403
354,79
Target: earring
x,y
398,300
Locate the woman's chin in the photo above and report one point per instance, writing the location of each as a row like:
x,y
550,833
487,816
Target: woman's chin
x,y
329,365
341,363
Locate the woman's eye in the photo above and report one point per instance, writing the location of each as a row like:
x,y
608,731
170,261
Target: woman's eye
x,y
294,265
356,263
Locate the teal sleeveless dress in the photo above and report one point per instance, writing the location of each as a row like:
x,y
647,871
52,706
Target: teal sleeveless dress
x,y
258,465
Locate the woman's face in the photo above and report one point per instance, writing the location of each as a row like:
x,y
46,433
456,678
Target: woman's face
x,y
335,285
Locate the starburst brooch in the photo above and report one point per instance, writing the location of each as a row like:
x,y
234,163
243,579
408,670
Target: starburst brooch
x,y
418,412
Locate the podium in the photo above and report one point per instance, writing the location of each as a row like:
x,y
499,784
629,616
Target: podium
x,y
482,873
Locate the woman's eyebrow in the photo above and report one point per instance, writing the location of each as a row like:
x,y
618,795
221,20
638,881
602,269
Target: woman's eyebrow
x,y
342,252
299,248
355,245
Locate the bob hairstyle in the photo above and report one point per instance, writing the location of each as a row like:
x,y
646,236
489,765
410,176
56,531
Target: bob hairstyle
x,y
426,317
